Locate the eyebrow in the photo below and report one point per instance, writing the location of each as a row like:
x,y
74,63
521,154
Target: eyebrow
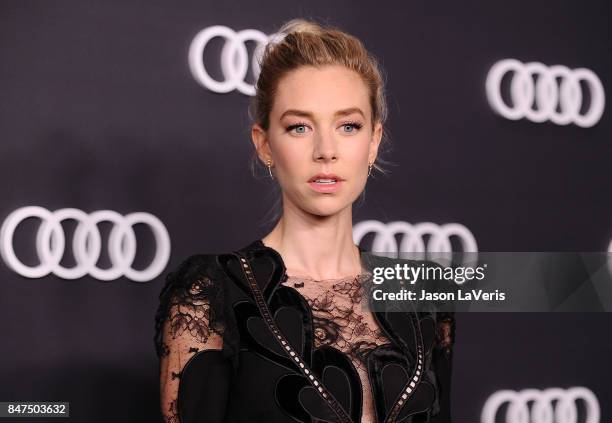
x,y
303,113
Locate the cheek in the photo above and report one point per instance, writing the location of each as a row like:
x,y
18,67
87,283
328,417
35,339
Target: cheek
x,y
289,158
357,153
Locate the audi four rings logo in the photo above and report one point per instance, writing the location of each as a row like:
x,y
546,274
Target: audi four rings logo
x,y
543,98
86,244
412,238
234,58
550,405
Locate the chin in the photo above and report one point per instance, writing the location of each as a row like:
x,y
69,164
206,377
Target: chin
x,y
326,207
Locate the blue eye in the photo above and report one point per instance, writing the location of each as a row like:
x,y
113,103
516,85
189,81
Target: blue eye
x,y
301,128
355,125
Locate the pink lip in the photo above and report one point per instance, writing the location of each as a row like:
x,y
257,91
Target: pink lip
x,y
326,188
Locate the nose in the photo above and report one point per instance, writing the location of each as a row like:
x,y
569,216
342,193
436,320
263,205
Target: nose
x,y
325,148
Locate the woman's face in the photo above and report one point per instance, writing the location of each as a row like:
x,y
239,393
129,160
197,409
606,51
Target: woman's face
x,y
320,138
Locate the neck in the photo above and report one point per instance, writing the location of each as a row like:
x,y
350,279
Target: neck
x,y
315,246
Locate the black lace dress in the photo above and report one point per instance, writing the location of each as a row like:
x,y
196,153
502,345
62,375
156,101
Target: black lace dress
x,y
219,363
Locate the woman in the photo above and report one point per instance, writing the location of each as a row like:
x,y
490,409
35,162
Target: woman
x,y
276,332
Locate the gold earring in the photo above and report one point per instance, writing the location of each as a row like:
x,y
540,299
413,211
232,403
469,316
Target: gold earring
x,y
269,164
370,168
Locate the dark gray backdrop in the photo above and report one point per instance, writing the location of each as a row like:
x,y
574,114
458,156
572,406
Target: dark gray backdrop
x,y
99,110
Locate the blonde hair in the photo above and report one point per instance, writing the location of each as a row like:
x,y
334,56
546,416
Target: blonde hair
x,y
302,42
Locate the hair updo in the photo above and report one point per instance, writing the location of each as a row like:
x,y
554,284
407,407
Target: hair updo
x,y
301,42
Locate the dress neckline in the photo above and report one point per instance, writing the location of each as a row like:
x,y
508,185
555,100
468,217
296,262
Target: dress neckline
x,y
363,275
363,264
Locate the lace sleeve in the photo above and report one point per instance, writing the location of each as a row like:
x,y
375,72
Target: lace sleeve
x,y
442,364
442,354
187,323
445,332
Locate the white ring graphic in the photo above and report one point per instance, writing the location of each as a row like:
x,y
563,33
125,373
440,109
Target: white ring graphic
x,y
553,405
86,244
234,58
546,93
412,240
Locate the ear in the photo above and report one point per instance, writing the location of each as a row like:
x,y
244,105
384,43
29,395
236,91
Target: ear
x,y
375,143
260,141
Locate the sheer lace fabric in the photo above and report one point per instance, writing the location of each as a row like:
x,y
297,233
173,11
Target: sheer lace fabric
x,y
338,318
191,325
340,322
186,331
341,319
